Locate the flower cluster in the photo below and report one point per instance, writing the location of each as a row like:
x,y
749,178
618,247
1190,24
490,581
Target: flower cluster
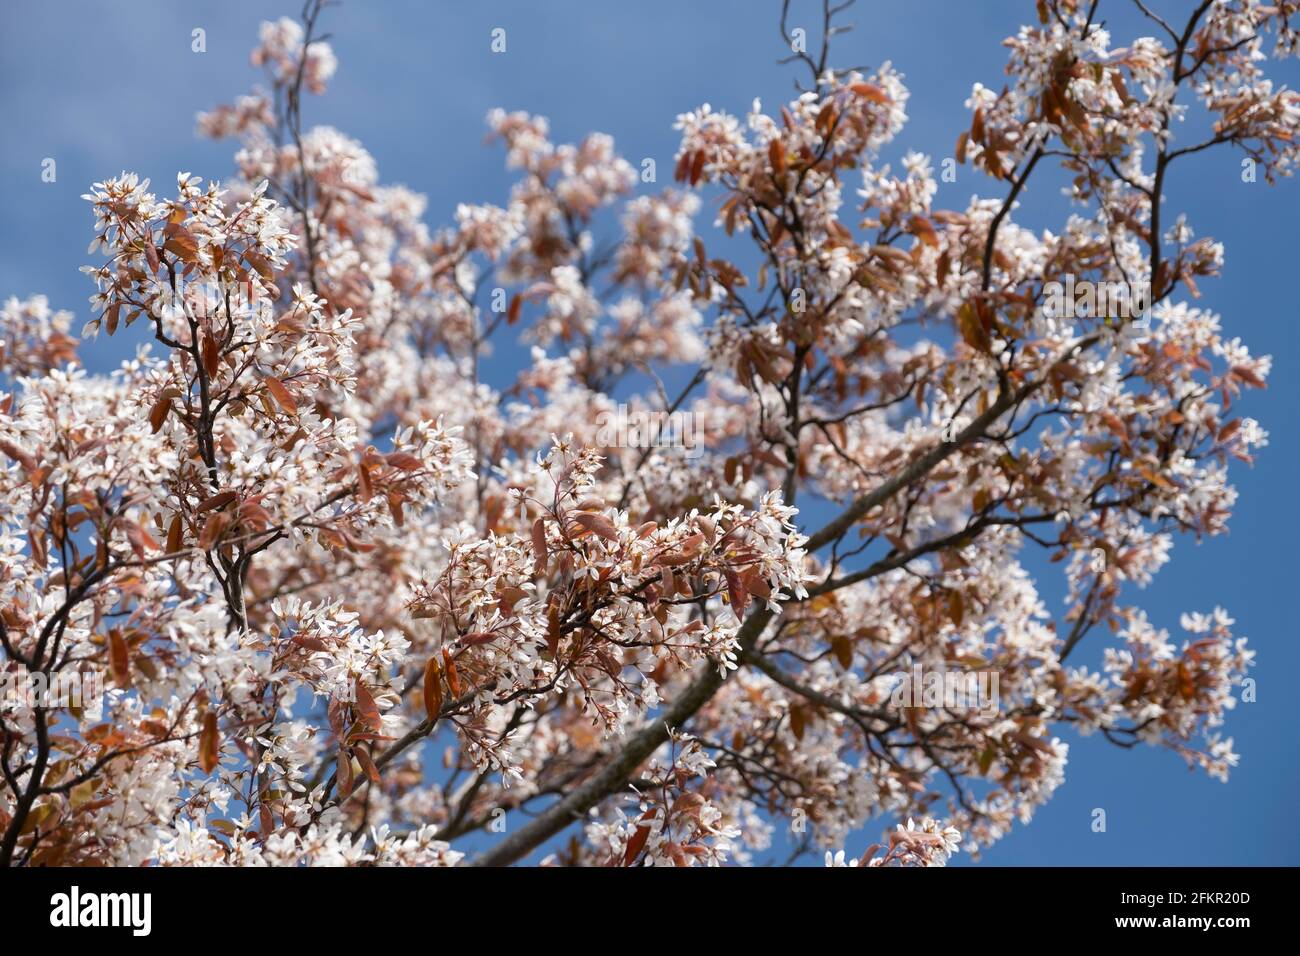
x,y
343,603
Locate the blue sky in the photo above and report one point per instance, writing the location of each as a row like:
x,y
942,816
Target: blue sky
x,y
109,86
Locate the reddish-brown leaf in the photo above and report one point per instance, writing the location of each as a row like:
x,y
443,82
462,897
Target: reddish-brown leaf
x,y
119,658
395,509
367,708
220,499
737,592
18,455
211,356
158,414
597,524
872,92
1249,376
174,533
261,264
843,650
453,675
798,721
553,625
432,689
209,743
367,765
309,642
540,552
183,246
343,772
213,529
635,844
776,156
404,460
956,607
140,539
697,167
281,394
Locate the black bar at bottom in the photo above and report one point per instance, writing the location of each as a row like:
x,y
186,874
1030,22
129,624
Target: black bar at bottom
x,y
302,907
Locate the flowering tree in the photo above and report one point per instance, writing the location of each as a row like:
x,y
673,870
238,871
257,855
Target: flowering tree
x,y
347,604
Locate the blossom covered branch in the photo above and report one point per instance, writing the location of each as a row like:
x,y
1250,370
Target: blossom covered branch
x,y
346,591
